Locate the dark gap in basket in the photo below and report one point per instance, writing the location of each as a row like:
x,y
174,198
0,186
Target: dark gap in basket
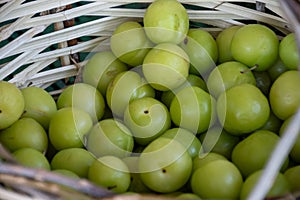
x,y
194,7
27,1
48,29
13,36
2,24
16,71
134,5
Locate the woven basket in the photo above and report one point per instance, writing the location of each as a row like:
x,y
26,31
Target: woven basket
x,y
46,44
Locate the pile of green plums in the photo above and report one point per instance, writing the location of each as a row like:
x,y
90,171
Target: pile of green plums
x,y
169,110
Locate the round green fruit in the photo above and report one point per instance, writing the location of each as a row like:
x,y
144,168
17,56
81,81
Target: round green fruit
x,y
101,68
32,158
186,138
165,165
39,105
242,109
292,175
223,41
288,52
193,109
12,104
166,66
129,43
166,21
219,179
124,88
284,94
147,118
279,188
202,50
253,152
191,80
227,75
76,160
205,158
295,151
255,45
26,132
68,127
110,172
110,137
85,97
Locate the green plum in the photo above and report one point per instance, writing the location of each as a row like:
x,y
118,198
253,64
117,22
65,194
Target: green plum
x,y
110,137
191,80
76,160
165,165
255,45
292,175
205,158
26,132
227,75
284,94
101,68
12,104
129,43
84,97
252,153
193,109
288,52
166,66
147,118
124,88
166,21
280,186
68,127
202,50
186,138
39,105
242,109
219,179
295,151
32,158
223,41
110,172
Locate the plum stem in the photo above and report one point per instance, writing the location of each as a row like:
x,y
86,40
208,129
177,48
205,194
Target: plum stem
x,y
250,69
